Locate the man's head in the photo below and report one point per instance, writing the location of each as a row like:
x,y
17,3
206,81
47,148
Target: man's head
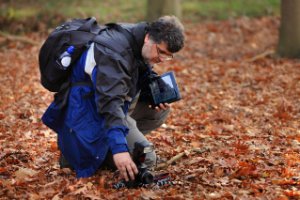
x,y
164,37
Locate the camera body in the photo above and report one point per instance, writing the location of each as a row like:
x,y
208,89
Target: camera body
x,y
160,89
144,176
141,149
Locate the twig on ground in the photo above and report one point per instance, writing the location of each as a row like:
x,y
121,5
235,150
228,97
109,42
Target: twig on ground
x,y
178,156
19,38
260,56
10,154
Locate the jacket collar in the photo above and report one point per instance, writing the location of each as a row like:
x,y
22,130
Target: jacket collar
x,y
139,32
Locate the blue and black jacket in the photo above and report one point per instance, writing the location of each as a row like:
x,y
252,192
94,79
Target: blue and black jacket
x,y
94,120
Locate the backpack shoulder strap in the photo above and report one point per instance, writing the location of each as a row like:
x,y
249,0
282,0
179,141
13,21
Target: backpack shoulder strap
x,y
89,25
130,39
128,36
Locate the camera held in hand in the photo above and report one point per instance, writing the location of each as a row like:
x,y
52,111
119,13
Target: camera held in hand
x,y
141,149
144,177
160,89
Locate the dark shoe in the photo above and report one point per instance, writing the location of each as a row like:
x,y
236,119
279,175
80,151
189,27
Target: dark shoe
x,y
63,163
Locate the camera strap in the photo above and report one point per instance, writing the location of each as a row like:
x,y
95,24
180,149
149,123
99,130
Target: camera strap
x,y
158,181
162,179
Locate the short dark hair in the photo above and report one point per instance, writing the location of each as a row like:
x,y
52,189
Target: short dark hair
x,y
167,29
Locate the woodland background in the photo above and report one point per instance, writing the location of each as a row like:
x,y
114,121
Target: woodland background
x,y
235,133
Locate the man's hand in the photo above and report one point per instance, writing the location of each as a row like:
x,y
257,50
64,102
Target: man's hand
x,y
125,165
161,106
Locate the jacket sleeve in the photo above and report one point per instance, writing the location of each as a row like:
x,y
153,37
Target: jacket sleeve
x,y
111,89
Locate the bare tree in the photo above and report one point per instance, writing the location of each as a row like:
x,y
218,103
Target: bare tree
x,y
289,32
157,8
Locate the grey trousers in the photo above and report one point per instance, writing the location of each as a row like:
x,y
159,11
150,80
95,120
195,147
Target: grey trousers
x,y
141,120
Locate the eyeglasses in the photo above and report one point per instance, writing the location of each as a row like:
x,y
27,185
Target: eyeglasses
x,y
162,55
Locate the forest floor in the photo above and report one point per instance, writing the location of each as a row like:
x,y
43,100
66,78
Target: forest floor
x,y
237,127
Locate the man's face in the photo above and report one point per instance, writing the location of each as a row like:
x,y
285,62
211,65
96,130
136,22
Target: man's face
x,y
155,53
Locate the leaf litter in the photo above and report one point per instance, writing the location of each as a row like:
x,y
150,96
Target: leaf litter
x,y
240,111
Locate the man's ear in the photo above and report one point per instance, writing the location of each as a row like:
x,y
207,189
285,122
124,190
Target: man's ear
x,y
146,39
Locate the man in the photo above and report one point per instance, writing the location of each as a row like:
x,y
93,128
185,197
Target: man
x,y
102,121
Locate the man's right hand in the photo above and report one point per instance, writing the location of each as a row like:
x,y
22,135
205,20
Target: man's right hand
x,y
125,164
161,107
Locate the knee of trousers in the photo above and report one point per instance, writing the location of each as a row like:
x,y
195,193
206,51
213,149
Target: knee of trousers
x,y
161,116
150,159
148,124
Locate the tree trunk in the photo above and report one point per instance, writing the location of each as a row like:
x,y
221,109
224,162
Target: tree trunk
x,y
158,8
289,32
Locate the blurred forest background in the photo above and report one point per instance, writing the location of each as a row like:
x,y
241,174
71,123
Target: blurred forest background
x,y
20,16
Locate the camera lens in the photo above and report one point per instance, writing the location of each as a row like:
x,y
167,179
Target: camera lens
x,y
146,177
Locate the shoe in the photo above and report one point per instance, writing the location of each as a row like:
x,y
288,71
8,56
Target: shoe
x,y
63,163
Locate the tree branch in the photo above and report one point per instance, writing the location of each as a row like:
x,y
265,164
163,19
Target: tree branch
x,y
178,156
9,154
19,38
260,56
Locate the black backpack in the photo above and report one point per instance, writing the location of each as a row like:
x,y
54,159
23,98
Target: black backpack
x,y
78,33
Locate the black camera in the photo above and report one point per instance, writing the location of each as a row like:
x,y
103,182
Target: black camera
x,y
141,149
144,177
160,89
